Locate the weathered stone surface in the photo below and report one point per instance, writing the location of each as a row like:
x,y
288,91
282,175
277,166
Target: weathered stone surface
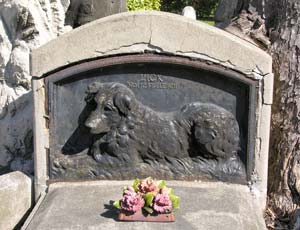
x,y
260,172
15,198
153,32
40,144
204,206
16,126
24,25
268,89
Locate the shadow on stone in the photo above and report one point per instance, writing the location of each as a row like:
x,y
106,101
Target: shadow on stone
x,y
81,139
16,144
110,211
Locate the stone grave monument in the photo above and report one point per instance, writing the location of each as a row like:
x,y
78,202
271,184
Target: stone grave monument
x,y
150,94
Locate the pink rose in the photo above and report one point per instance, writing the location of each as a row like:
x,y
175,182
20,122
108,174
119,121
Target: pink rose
x,y
148,185
162,203
131,201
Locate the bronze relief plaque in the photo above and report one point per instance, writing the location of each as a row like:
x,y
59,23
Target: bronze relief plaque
x,y
139,119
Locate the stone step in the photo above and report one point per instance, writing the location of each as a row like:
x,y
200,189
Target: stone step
x,y
204,206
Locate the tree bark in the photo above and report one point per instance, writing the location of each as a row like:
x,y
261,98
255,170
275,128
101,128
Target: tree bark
x,y
283,22
282,19
285,138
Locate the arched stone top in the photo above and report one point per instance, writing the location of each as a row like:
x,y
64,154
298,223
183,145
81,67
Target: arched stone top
x,y
150,31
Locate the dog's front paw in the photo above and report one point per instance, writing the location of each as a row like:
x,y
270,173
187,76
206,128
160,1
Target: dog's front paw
x,y
98,157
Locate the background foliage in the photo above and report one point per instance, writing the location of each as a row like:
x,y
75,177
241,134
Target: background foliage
x,y
133,5
204,8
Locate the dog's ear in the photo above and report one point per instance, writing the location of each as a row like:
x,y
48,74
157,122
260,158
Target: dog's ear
x,y
94,87
91,91
123,102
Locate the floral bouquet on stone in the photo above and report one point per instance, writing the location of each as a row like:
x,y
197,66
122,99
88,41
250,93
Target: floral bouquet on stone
x,y
147,200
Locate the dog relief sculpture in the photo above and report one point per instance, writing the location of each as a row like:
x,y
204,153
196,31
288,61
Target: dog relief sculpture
x,y
199,136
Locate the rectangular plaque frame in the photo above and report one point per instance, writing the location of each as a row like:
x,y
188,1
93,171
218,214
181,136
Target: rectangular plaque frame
x,y
74,73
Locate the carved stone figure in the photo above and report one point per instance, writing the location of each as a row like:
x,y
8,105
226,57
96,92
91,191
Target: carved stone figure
x,y
129,132
81,12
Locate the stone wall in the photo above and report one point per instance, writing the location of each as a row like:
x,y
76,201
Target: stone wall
x,y
24,25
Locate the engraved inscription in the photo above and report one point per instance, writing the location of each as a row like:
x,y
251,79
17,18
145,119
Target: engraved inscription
x,y
151,81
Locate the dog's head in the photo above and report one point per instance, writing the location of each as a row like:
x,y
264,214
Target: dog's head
x,y
112,102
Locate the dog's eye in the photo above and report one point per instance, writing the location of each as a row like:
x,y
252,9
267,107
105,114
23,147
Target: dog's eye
x,y
108,108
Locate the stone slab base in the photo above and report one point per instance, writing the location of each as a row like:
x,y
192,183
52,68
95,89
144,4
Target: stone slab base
x,y
15,198
204,206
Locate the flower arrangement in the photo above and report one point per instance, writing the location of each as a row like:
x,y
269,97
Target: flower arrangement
x,y
149,195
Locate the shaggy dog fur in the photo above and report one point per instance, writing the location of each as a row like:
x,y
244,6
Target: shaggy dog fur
x,y
128,131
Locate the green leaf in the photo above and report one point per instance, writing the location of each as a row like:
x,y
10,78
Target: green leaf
x,y
148,197
117,204
135,185
161,183
149,210
175,201
171,191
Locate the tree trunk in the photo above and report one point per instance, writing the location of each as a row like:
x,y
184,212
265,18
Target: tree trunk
x,y
283,22
282,19
284,165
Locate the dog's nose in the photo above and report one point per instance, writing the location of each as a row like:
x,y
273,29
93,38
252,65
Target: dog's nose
x,y
90,124
92,121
